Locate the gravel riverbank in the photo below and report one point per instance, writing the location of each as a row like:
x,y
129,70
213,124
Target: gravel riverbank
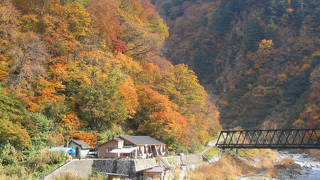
x,y
303,168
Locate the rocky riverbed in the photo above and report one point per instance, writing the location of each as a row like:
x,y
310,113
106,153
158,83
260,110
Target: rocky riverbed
x,y
310,166
303,167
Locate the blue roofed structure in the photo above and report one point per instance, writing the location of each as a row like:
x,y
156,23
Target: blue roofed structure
x,y
68,150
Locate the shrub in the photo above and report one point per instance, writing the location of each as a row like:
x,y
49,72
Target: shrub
x,y
195,176
43,161
57,157
211,153
241,153
13,172
68,176
176,174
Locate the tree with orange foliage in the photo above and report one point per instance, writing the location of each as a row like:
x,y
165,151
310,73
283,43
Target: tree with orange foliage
x,y
130,27
130,98
13,133
3,67
157,117
101,102
168,124
107,23
187,83
8,28
90,138
70,123
63,26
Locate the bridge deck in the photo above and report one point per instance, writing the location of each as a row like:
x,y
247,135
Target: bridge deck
x,y
275,139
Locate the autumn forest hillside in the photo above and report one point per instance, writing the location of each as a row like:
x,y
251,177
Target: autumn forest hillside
x,y
258,58
91,70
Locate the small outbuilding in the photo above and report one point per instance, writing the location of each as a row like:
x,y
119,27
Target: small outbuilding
x,y
155,173
81,147
132,146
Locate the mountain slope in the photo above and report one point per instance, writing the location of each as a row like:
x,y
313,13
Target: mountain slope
x,y
260,59
91,70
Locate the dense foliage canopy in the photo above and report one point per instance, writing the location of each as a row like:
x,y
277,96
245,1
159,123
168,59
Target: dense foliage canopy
x,y
91,70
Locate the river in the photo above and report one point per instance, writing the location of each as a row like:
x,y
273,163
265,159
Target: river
x,y
310,166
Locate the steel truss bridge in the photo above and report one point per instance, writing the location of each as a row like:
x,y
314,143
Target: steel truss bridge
x,y
274,139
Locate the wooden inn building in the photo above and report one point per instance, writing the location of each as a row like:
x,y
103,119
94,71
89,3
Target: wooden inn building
x,y
133,147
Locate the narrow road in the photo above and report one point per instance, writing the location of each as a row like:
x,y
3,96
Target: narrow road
x,y
211,144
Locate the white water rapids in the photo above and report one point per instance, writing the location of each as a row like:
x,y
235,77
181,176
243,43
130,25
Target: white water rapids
x,y
310,166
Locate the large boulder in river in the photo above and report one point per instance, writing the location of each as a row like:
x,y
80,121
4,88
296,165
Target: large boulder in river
x,y
287,168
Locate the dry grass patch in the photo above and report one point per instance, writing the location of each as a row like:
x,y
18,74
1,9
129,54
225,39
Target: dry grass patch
x,y
272,173
226,168
230,167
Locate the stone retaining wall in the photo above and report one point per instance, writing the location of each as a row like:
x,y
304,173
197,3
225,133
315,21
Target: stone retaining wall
x,y
83,168
131,167
124,167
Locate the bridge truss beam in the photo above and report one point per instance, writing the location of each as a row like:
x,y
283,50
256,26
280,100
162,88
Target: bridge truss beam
x,y
274,139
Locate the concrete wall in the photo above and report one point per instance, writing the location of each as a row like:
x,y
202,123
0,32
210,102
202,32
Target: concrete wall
x,y
84,153
190,159
142,164
81,168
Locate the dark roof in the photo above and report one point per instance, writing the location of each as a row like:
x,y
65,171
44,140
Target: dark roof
x,y
142,140
81,143
115,174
